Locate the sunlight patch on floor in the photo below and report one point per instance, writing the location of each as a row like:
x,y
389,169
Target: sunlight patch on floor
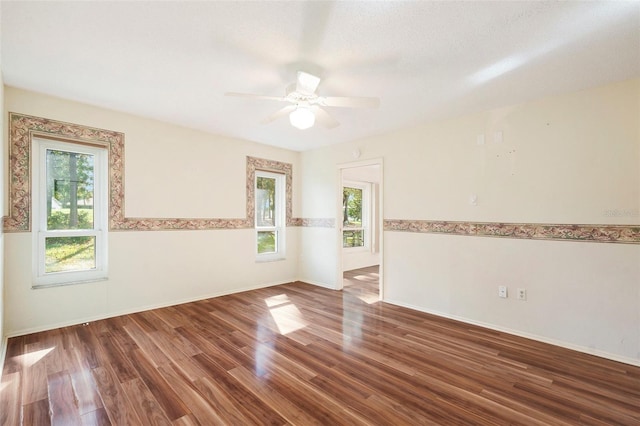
x,y
288,318
277,300
368,277
27,360
6,383
286,315
368,298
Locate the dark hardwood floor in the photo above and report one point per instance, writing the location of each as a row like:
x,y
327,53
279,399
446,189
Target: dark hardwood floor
x,y
300,354
363,283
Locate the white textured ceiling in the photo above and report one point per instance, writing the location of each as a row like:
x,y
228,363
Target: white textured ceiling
x,y
425,60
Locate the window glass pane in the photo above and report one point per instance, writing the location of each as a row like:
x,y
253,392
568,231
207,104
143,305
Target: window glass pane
x,y
69,190
352,207
70,254
353,238
266,242
265,201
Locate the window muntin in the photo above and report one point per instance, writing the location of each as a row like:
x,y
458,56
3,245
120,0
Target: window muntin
x,y
269,215
355,215
70,213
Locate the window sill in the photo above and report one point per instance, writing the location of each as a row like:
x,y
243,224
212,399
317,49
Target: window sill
x,y
270,259
67,283
356,249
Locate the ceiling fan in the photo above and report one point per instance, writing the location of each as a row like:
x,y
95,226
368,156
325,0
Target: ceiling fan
x,y
305,108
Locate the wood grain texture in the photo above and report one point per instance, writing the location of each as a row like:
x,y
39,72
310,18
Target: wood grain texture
x,y
299,354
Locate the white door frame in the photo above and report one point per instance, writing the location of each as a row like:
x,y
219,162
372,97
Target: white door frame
x,y
379,218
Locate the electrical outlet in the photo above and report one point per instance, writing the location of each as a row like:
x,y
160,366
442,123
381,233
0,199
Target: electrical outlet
x,y
522,294
502,291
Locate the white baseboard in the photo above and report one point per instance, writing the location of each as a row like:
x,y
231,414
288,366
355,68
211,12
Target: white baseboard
x,y
567,345
143,308
579,348
3,353
319,284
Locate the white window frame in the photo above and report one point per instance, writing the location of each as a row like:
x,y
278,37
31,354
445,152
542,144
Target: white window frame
x,y
100,215
280,219
366,215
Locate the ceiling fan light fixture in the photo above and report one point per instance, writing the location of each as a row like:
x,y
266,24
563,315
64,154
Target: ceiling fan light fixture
x,y
302,118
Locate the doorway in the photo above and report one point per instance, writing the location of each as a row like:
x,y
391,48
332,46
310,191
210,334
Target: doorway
x,y
360,226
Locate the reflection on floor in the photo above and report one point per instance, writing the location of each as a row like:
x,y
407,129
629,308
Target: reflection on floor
x,y
300,354
363,283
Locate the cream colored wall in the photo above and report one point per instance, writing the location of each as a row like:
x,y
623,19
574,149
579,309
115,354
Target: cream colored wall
x,y
3,156
318,246
577,159
169,172
567,159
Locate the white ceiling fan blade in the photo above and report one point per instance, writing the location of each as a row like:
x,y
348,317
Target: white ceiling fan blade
x,y
307,83
278,114
252,96
324,118
349,102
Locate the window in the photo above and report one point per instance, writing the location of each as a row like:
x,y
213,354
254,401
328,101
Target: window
x,y
70,213
269,215
355,215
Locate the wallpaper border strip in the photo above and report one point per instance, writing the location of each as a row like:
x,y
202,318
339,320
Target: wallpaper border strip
x,y
22,129
626,234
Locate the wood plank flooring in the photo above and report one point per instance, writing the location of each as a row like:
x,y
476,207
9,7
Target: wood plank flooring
x,y
300,354
363,283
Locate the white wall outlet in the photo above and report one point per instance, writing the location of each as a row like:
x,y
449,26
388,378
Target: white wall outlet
x,y
480,139
497,137
522,294
502,291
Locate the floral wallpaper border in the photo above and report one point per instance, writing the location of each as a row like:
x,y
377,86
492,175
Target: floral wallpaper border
x,y
628,234
22,128
185,224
